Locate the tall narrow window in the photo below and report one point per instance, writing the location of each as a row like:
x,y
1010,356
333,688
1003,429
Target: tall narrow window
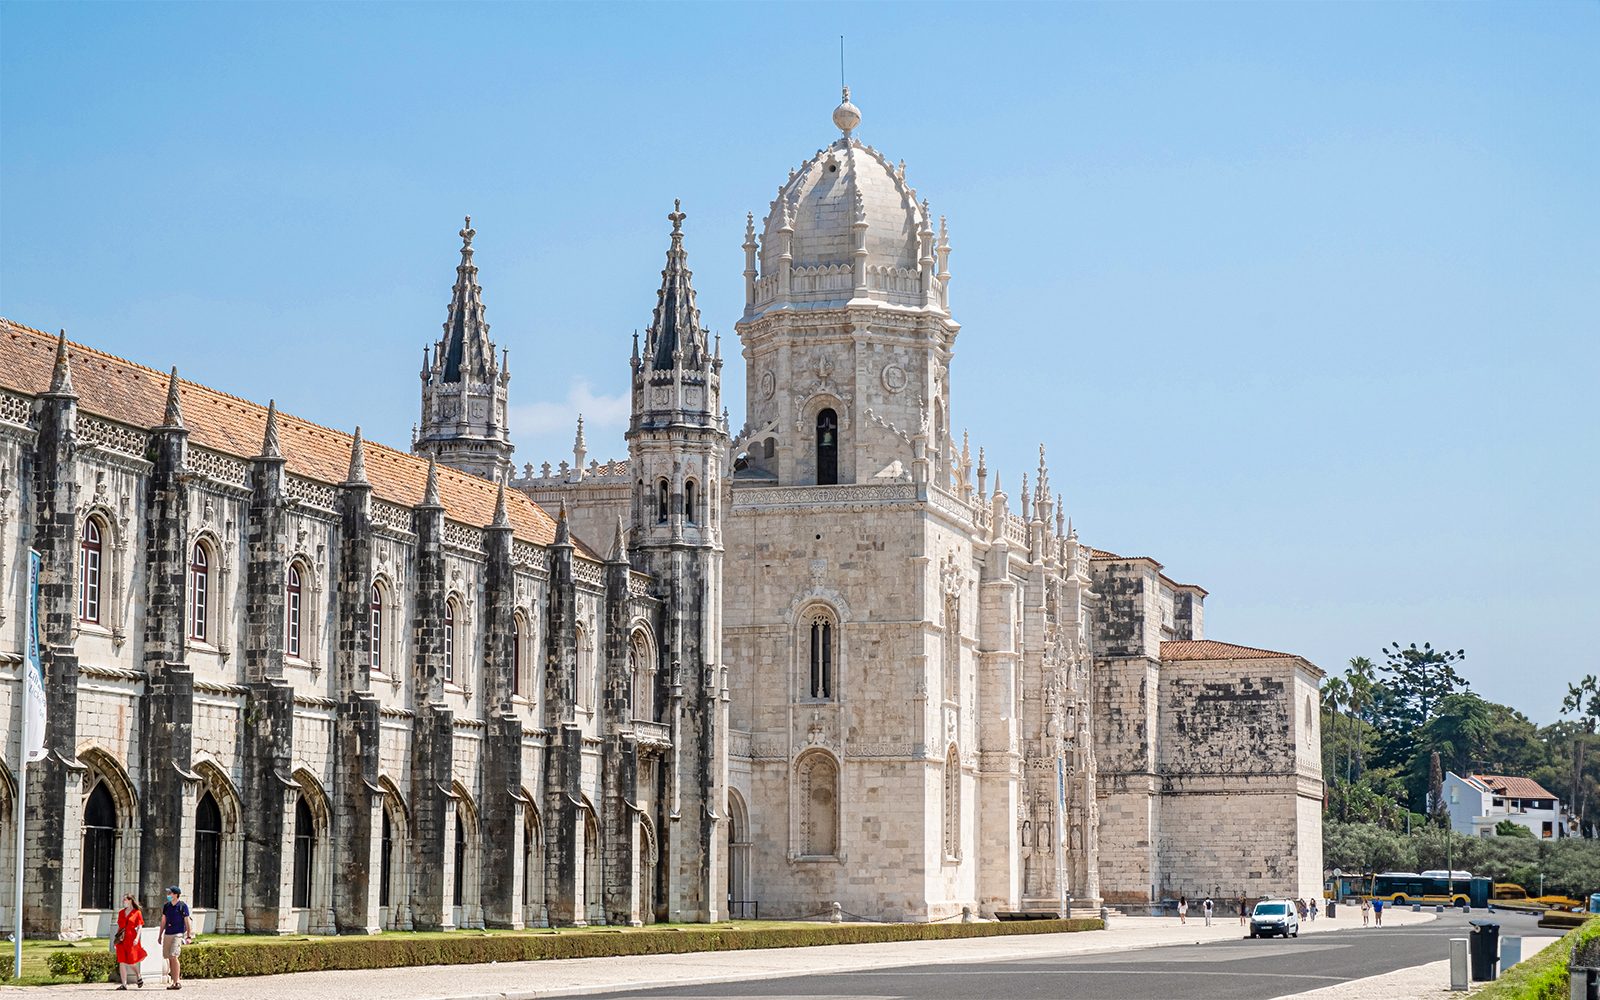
x,y
688,502
99,849
89,572
461,861
375,633
643,702
821,657
199,566
207,852
827,448
516,654
449,642
952,803
305,844
386,861
291,611
664,507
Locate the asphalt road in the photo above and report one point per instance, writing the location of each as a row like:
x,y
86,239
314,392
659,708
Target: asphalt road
x,y
1225,970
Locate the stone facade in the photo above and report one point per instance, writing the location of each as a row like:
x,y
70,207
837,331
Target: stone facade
x,y
827,660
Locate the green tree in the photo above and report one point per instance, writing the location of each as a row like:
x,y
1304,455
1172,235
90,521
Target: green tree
x,y
1335,695
1583,699
1511,828
1415,682
1360,680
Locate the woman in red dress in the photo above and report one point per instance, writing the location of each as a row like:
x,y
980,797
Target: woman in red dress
x,y
130,952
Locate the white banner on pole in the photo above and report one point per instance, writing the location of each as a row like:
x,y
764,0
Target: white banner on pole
x,y
33,711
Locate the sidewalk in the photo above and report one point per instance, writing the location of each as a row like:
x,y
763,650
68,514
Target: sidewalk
x,y
570,977
1420,982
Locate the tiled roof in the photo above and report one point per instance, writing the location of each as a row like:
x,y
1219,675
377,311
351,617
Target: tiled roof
x,y
116,389
1210,649
1516,788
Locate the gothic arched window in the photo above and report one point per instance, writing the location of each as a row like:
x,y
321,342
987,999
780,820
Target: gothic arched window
x,y
821,657
99,848
89,572
305,845
375,633
207,852
291,611
688,502
952,803
386,860
827,448
461,863
516,654
449,642
819,806
199,585
643,681
664,507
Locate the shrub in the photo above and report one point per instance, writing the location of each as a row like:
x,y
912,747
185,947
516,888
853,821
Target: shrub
x,y
270,958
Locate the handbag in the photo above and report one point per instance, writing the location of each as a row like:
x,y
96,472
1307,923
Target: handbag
x,y
121,933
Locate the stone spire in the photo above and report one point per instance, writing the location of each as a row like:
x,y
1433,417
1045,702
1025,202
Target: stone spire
x,y
466,346
580,448
619,543
502,517
563,530
430,492
269,440
676,329
61,376
358,462
174,417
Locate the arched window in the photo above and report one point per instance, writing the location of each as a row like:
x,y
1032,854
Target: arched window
x,y
664,507
291,611
819,806
821,657
643,681
99,848
461,862
207,853
516,654
688,502
386,863
375,634
89,572
827,448
769,448
1309,720
449,642
584,695
952,803
199,579
305,845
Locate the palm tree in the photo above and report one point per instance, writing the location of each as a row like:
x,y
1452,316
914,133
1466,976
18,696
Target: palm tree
x,y
1360,679
1335,695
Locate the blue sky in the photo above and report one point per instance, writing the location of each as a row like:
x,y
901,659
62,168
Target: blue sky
x,y
1301,299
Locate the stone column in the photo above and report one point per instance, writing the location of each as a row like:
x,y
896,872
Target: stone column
x,y
433,727
564,759
500,816
619,777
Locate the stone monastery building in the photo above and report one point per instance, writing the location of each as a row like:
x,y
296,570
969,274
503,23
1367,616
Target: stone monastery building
x,y
329,686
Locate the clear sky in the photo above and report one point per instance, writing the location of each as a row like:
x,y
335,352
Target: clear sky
x,y
1301,299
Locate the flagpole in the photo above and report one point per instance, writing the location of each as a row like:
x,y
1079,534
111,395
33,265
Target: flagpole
x,y
22,812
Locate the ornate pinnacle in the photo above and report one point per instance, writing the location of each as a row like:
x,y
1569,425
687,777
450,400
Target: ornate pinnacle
x,y
466,234
269,440
358,462
676,216
174,417
749,227
61,376
619,544
563,531
430,492
502,517
579,444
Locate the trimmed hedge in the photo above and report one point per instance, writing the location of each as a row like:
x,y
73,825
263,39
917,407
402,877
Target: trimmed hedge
x,y
266,958
93,966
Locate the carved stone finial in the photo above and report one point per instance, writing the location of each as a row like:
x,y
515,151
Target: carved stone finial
x,y
749,227
502,516
430,492
174,417
467,233
619,543
61,376
358,462
676,216
563,530
846,116
269,440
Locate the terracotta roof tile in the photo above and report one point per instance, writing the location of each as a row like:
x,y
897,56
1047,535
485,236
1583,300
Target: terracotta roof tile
x,y
1516,788
1210,649
117,389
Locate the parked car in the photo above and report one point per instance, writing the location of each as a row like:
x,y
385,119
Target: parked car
x,y
1275,916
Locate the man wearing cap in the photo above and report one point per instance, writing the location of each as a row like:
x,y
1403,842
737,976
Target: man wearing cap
x,y
176,931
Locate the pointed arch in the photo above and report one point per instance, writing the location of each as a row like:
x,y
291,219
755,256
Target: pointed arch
x,y
312,885
593,904
649,859
219,853
738,855
535,913
815,791
952,803
110,859
466,893
394,873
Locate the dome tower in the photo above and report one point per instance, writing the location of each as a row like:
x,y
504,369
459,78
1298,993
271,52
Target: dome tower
x,y
846,326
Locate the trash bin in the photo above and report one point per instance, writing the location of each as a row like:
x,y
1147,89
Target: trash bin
x,y
1332,905
1484,944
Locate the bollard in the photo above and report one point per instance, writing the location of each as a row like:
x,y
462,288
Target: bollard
x,y
1458,964
1439,908
1416,907
1510,952
1105,916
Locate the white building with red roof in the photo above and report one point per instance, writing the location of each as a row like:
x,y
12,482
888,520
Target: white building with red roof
x,y
1480,802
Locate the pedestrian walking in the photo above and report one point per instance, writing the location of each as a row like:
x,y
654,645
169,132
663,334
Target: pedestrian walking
x,y
1366,910
1377,913
1243,908
1207,906
1313,909
1183,909
130,919
1300,908
177,930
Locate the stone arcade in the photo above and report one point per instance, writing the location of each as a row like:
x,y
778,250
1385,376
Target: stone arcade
x,y
335,687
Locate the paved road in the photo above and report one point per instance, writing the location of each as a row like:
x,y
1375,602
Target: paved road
x,y
1225,970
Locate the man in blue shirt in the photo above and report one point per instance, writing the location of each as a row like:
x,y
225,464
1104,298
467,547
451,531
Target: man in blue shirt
x,y
176,931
